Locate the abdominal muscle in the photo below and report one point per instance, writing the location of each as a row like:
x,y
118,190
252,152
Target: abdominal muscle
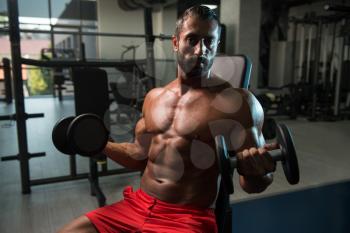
x,y
181,166
171,176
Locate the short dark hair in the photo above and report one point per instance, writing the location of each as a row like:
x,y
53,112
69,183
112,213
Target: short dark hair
x,y
202,12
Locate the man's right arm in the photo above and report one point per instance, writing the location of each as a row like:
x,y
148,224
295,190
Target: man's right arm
x,y
131,155
134,155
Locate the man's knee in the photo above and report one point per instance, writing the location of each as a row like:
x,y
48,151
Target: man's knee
x,y
79,225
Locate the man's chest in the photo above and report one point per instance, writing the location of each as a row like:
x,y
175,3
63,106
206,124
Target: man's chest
x,y
189,116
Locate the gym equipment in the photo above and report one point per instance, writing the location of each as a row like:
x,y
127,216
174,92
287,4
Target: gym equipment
x,y
17,60
60,74
239,79
7,79
86,81
85,134
20,116
129,104
288,102
59,136
286,154
265,100
269,128
130,92
316,90
334,7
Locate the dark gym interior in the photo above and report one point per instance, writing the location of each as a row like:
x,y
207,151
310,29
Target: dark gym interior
x,y
65,58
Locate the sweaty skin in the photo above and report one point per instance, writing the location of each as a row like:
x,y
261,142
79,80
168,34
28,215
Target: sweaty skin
x,y
175,137
183,125
174,140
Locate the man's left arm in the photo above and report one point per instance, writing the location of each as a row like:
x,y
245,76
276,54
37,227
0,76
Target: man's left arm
x,y
255,165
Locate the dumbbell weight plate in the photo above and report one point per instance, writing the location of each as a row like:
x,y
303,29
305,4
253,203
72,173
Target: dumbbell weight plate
x,y
59,135
224,163
87,134
290,161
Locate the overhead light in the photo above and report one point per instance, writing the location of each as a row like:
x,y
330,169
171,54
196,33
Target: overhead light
x,y
210,6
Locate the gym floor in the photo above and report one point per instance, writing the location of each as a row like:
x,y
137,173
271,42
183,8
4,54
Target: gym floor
x,y
321,147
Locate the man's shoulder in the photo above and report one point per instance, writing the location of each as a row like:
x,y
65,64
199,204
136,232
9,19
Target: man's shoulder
x,y
156,93
237,103
250,109
150,96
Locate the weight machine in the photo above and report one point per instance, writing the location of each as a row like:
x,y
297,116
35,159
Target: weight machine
x,y
317,83
20,115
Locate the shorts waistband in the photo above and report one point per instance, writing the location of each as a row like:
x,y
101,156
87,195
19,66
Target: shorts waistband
x,y
145,197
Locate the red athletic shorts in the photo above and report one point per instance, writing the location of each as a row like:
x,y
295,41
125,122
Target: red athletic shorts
x,y
139,212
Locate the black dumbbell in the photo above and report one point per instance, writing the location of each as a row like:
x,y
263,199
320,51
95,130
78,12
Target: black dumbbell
x,y
286,154
85,134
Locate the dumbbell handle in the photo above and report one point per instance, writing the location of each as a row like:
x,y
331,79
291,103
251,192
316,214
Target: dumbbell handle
x,y
275,154
286,153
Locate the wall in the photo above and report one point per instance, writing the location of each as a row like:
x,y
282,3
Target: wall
x,y
249,34
242,20
113,19
166,70
230,16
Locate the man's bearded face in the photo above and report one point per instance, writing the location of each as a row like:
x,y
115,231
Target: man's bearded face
x,y
196,46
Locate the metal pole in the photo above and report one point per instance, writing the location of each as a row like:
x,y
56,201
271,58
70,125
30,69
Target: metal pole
x,y
301,52
68,63
107,34
149,47
14,34
52,36
330,75
338,80
325,48
7,77
80,36
308,58
294,48
314,78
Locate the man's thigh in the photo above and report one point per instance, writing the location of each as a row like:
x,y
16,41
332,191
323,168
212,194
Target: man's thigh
x,y
79,225
118,217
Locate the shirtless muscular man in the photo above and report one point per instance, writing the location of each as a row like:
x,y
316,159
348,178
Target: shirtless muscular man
x,y
174,143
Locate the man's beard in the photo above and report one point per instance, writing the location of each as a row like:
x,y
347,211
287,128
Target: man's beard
x,y
194,66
